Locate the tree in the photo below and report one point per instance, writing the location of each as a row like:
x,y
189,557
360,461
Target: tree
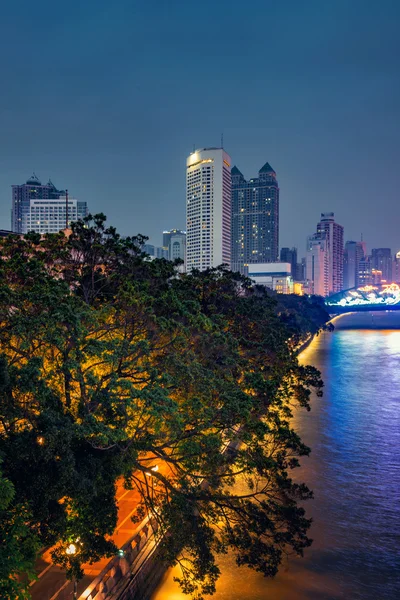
x,y
116,366
18,544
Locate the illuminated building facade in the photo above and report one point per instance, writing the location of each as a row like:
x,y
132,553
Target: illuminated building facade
x,y
208,209
334,239
255,218
276,276
317,265
381,260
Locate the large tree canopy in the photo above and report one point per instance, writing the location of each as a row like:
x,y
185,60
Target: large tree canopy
x,y
112,364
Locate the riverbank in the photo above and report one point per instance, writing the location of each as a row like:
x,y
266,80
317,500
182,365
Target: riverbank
x,y
354,474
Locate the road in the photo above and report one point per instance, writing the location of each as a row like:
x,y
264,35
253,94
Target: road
x,y
52,583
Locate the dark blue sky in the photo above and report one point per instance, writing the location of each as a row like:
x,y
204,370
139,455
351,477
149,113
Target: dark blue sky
x,y
108,98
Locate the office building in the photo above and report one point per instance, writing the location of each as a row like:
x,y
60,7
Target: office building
x,y
22,195
43,208
50,216
276,276
255,218
174,241
354,253
334,239
317,265
208,209
381,260
289,255
155,251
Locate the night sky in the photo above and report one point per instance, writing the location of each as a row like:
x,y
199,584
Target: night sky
x,y
108,98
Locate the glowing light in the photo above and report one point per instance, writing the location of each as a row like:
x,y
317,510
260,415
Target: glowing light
x,y
387,294
155,469
71,549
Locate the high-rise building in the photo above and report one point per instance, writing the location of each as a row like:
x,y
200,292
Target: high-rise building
x,y
208,209
354,252
396,268
43,208
255,218
334,238
317,265
33,189
289,255
381,260
174,242
50,216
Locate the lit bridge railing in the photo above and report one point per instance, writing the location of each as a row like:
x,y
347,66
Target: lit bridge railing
x,y
369,297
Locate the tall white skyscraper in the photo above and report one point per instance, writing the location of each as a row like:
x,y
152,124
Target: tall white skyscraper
x,y
208,209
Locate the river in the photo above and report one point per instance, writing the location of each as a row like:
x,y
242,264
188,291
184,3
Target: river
x,y
354,471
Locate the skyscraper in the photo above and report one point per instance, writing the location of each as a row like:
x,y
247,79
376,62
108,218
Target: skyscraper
x,y
289,255
354,253
255,218
381,260
317,264
334,237
43,208
208,209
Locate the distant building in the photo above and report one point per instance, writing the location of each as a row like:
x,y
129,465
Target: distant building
x,y
365,272
276,276
334,239
50,216
381,260
396,268
208,209
255,218
5,232
155,251
317,265
42,208
354,253
289,255
174,242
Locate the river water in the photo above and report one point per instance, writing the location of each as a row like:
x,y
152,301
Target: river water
x,y
354,471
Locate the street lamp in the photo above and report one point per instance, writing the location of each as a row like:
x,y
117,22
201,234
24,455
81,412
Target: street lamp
x,y
71,550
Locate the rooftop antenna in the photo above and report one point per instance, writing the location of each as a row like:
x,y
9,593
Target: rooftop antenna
x,y
194,148
222,140
66,209
361,237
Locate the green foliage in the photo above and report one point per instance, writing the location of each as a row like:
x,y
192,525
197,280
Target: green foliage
x,y
18,544
112,364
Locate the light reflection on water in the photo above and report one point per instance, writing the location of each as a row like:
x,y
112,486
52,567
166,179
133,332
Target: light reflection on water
x,y
354,471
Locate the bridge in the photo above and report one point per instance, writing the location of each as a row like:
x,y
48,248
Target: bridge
x,y
366,298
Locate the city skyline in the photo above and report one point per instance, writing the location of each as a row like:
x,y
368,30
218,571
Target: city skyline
x,y
105,113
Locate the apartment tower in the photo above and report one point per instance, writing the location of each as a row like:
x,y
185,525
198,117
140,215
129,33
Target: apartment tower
x,y
208,209
255,218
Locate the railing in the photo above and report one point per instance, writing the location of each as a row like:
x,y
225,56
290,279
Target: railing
x,y
130,575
